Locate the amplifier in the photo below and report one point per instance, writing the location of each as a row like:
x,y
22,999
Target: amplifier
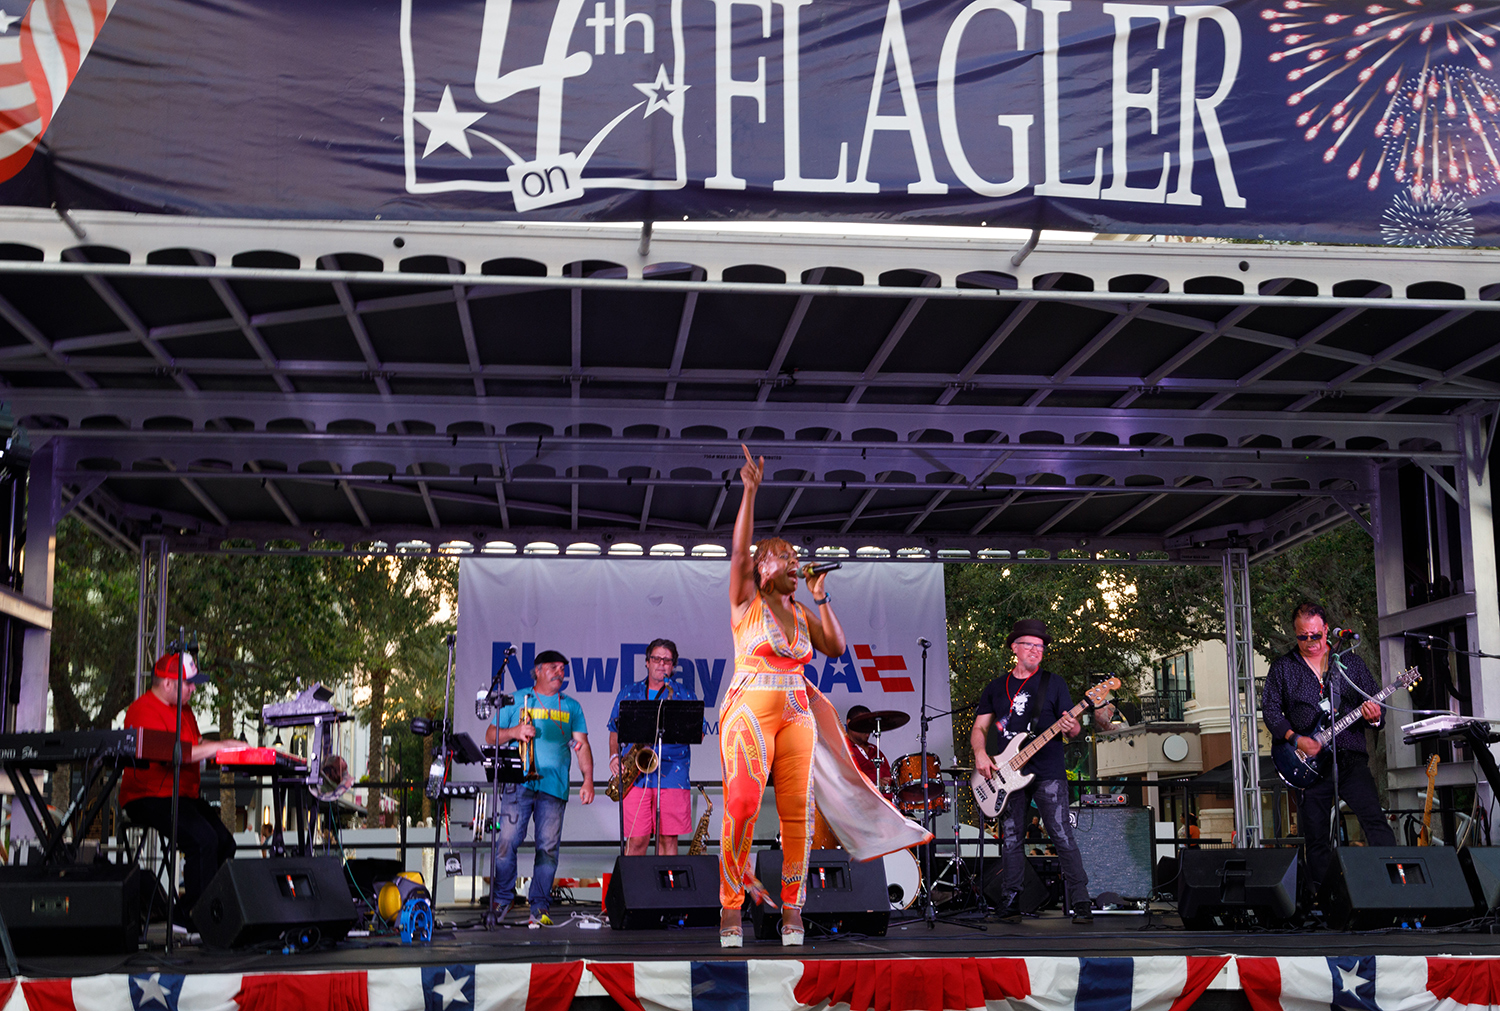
x,y
843,896
1103,800
1115,843
299,900
71,909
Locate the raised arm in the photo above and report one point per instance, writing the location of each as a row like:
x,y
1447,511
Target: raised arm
x,y
742,582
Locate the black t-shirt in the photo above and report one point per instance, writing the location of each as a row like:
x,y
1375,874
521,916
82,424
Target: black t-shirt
x,y
1017,709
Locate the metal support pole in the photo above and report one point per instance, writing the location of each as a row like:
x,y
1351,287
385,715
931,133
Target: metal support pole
x,y
1243,707
151,608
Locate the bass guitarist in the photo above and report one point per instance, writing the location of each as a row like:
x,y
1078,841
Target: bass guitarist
x,y
1026,700
1294,705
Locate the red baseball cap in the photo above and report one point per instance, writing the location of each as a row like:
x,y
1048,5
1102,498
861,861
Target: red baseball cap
x,y
179,665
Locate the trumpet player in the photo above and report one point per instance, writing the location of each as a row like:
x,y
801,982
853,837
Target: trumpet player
x,y
664,789
553,725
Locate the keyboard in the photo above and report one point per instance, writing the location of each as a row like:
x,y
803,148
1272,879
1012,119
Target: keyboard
x,y
130,746
1443,726
261,758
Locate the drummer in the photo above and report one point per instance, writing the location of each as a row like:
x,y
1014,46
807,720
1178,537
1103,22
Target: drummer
x,y
866,755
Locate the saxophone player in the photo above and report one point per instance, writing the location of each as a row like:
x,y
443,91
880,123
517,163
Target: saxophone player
x,y
554,724
666,788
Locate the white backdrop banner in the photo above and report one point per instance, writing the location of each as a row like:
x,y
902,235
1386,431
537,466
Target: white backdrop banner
x,y
601,613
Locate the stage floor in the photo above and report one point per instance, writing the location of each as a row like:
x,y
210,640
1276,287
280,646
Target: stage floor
x,y
1049,934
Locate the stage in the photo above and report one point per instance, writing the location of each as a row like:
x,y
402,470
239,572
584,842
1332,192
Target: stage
x,y
1127,961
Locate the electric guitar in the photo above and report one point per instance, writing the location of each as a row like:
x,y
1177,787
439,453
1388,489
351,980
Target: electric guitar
x,y
1297,769
1425,839
992,793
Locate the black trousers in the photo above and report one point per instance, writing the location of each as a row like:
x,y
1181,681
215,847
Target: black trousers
x,y
1357,789
202,840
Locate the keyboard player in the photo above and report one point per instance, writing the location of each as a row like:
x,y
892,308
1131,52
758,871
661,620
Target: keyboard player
x,y
146,793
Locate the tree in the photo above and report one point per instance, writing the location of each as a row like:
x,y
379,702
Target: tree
x,y
92,669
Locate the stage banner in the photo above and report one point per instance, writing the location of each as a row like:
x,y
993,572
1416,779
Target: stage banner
x,y
602,612
1335,120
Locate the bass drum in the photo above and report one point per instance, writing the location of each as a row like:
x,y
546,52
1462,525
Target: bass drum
x,y
903,878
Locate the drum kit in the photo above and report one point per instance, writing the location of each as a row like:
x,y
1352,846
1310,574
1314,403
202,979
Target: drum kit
x,y
900,782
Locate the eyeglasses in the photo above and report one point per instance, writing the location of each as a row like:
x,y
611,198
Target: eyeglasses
x,y
1310,637
660,660
1028,645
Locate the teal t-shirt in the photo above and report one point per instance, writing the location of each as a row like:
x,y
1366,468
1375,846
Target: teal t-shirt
x,y
556,718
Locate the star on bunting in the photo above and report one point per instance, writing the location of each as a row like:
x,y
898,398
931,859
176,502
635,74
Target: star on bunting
x,y
151,990
6,20
447,125
653,89
451,989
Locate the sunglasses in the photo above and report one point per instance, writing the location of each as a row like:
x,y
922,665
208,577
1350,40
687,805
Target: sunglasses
x,y
1310,637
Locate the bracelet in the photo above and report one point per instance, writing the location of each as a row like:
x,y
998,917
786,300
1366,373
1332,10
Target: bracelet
x,y
820,601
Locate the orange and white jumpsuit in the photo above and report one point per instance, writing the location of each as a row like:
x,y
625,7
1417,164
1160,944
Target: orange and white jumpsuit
x,y
766,720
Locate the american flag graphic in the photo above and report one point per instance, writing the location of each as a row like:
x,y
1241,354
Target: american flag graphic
x,y
42,45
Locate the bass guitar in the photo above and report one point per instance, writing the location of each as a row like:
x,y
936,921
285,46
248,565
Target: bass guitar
x,y
991,793
1299,771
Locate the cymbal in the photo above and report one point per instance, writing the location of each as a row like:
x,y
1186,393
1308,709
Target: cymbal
x,y
959,770
885,719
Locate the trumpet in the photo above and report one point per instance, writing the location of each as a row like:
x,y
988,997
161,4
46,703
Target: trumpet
x,y
528,746
638,761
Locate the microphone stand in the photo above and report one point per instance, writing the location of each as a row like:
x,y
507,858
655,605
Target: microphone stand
x,y
929,817
176,786
1335,675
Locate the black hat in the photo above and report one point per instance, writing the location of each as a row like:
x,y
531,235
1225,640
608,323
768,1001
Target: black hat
x,y
549,656
1029,626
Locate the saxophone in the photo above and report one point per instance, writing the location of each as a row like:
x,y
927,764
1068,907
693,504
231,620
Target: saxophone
x,y
700,835
528,747
637,762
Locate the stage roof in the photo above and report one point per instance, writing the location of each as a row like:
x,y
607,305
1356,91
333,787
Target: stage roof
x,y
585,389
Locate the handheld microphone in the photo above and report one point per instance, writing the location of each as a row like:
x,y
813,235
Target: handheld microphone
x,y
1347,634
818,568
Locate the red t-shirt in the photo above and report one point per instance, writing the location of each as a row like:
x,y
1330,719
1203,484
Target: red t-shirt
x,y
155,780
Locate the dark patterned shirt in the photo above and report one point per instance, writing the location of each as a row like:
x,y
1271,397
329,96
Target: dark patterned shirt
x,y
1293,698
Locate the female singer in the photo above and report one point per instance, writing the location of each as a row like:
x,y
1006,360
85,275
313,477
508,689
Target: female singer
x,y
766,719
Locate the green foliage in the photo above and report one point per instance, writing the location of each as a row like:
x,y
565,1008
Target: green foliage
x,y
92,673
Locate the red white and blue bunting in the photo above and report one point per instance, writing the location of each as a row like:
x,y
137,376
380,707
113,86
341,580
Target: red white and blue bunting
x,y
1156,983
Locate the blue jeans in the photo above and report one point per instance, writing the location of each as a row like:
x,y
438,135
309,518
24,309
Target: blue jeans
x,y
1051,796
518,806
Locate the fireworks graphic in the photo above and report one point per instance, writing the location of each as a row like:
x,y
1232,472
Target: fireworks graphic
x,y
1418,218
1400,90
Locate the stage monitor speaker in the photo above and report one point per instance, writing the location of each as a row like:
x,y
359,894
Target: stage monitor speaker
x,y
651,892
1481,866
1370,887
1115,843
1230,889
73,909
843,896
1035,895
298,901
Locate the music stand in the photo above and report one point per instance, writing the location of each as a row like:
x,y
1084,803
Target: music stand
x,y
501,765
657,722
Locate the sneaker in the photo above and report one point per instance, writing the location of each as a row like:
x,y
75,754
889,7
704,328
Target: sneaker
x,y
538,921
1010,914
1083,912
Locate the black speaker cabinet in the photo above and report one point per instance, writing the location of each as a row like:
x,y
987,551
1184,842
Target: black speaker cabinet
x,y
843,896
1035,895
1369,887
1231,889
66,910
1481,866
305,900
1117,850
650,892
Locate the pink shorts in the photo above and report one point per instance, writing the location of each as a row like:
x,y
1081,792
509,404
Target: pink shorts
x,y
640,812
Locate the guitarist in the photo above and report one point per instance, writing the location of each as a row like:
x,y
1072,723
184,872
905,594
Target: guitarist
x,y
1027,700
1295,706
